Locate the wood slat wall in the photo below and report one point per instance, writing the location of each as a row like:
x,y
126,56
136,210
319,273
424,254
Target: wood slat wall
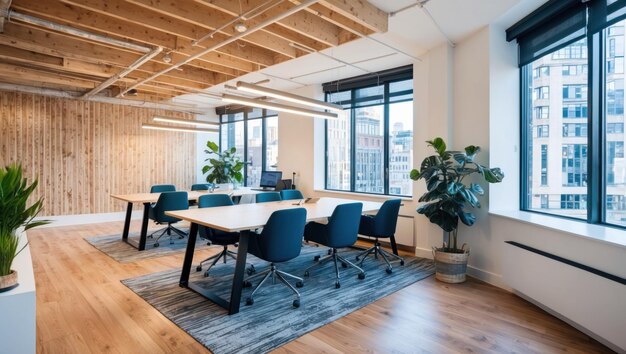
x,y
83,151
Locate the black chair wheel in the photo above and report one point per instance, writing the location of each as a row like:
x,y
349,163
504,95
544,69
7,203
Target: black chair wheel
x,y
206,274
299,284
249,301
330,251
306,274
402,262
156,244
389,270
357,258
296,303
316,258
344,265
247,284
198,268
251,270
337,285
361,276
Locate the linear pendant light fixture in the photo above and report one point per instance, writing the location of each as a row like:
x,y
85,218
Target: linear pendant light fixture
x,y
197,123
286,96
276,106
178,129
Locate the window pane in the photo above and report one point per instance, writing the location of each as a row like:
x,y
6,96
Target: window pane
x,y
338,159
232,136
370,150
255,156
400,148
615,165
271,141
556,130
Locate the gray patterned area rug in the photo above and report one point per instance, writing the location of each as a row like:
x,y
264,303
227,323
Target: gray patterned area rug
x,y
272,321
114,247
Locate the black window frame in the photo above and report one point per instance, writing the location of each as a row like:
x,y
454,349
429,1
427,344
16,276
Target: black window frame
x,y
384,78
599,15
223,113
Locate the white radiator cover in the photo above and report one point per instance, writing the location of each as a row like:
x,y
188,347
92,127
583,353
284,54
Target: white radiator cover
x,y
593,304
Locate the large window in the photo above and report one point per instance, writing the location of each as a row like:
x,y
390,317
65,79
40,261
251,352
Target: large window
x,y
254,132
580,173
369,149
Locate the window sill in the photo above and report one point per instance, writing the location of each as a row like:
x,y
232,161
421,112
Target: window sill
x,y
599,233
366,195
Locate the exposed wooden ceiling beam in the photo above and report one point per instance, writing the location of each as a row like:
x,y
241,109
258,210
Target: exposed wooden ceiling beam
x,y
301,22
40,75
4,9
156,21
360,11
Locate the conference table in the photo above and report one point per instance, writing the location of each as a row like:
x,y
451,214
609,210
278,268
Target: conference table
x,y
149,198
245,218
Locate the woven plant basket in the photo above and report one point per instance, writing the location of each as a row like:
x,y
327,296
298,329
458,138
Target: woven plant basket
x,y
451,267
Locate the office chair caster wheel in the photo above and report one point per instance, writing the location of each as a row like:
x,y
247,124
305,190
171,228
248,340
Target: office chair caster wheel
x,y
251,270
361,276
344,265
337,285
389,270
156,245
206,273
198,268
330,252
299,284
249,301
296,303
316,258
247,284
402,262
357,258
306,274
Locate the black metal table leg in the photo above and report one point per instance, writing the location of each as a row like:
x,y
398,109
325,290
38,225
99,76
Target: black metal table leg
x,y
191,247
394,247
242,253
144,227
129,214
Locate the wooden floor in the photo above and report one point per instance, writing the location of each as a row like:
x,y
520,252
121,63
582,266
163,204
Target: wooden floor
x,y
83,308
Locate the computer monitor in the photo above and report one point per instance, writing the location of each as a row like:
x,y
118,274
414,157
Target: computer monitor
x,y
269,179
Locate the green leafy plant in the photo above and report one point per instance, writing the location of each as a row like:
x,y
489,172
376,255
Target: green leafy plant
x,y
14,213
225,167
448,198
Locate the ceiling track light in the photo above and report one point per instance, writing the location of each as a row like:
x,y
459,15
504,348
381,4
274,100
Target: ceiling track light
x,y
276,106
286,96
197,123
241,27
177,129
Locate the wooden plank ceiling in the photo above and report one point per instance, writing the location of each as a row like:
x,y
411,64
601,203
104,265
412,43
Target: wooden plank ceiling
x,y
41,56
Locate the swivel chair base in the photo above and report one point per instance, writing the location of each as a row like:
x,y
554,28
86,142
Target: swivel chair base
x,y
377,250
222,255
168,230
335,257
274,274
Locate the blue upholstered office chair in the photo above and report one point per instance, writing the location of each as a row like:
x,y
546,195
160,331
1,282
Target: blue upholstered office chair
x,y
278,242
290,194
168,201
268,197
341,231
217,237
159,188
383,225
200,187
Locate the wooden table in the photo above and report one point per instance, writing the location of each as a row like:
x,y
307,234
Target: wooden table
x,y
244,218
148,198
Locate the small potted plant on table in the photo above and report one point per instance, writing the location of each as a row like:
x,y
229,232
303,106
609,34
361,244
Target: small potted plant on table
x,y
447,199
14,215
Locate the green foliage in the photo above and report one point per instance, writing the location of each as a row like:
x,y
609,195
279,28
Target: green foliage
x,y
14,213
225,167
447,198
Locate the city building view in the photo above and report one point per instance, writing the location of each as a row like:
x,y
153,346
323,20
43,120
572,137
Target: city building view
x,y
558,130
369,155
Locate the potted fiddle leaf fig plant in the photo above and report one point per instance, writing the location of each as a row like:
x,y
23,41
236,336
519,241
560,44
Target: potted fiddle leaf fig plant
x,y
225,168
15,215
449,198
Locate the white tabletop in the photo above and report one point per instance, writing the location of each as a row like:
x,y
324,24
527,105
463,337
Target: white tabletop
x,y
252,216
191,195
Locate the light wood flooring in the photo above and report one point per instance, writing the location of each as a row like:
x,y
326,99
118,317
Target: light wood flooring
x,y
83,308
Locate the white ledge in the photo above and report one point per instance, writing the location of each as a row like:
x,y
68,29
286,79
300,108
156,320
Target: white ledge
x,y
601,233
366,195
